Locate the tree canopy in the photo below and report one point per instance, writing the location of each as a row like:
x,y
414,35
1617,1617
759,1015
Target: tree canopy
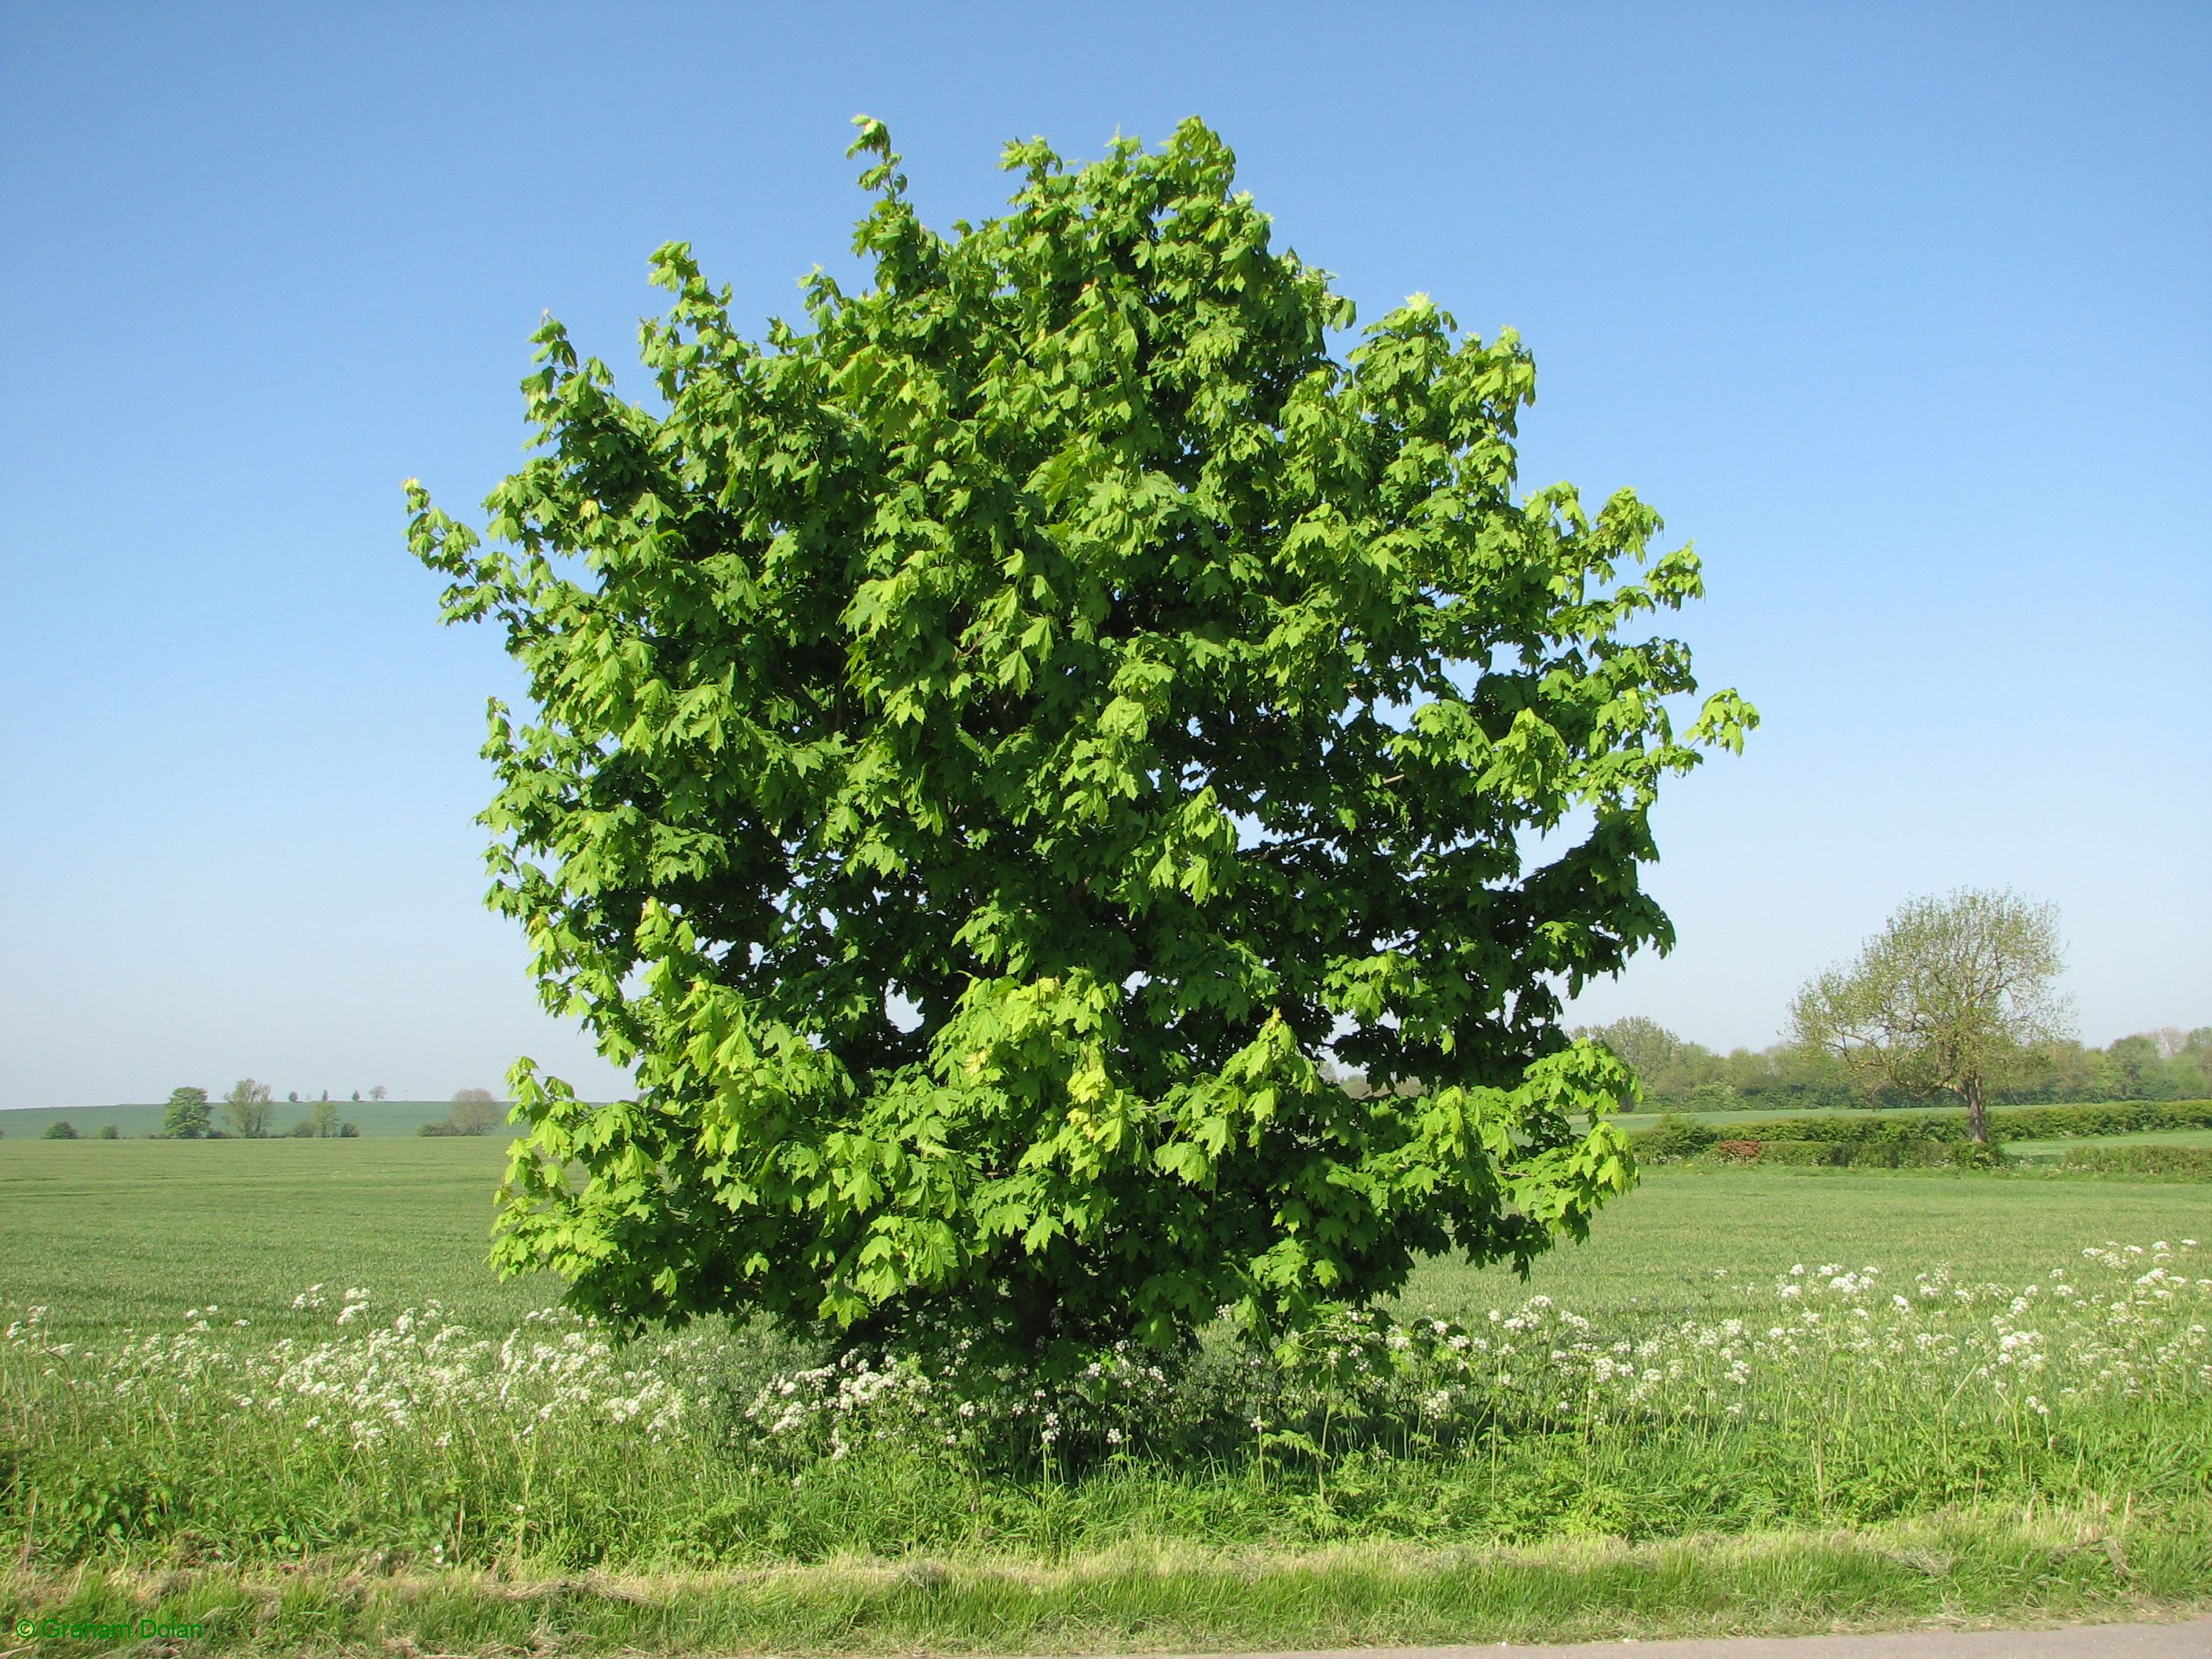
x,y
1946,997
246,1105
187,1117
991,742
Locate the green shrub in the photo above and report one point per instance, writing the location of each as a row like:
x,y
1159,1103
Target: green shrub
x,y
1805,1152
1673,1138
2112,1118
61,1129
1902,1139
108,1132
2193,1163
1900,1153
1905,1152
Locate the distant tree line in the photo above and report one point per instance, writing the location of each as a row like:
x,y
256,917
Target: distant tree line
x,y
249,1114
1955,998
1681,1075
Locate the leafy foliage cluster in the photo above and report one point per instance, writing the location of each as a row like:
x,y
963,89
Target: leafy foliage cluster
x,y
187,1116
990,744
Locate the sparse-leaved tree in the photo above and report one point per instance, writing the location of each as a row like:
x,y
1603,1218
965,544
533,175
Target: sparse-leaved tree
x,y
1641,1044
993,743
247,1106
1944,1000
474,1111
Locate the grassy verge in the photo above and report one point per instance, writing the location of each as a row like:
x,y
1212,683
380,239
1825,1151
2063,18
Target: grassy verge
x,y
1828,1396
1972,1567
1973,1411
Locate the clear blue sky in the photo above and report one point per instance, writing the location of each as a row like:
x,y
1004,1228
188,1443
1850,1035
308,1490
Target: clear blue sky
x,y
1904,314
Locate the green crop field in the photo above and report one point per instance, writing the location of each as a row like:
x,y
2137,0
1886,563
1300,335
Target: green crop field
x,y
1712,1418
2143,1138
1675,1247
126,1234
114,1235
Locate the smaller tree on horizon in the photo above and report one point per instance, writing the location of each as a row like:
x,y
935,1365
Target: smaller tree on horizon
x,y
187,1116
474,1111
377,1093
2197,1047
247,1107
322,1121
61,1129
1642,1044
1945,998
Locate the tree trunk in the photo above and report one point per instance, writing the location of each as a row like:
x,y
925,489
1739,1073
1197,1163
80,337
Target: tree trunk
x,y
1978,1114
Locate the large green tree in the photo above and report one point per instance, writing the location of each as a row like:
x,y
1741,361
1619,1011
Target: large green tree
x,y
991,742
187,1117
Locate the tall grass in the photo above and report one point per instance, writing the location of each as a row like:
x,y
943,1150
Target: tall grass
x,y
1827,1394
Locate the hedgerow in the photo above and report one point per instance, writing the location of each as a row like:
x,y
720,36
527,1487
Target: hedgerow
x,y
1903,1139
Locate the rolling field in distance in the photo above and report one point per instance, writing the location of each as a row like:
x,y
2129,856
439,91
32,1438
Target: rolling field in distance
x,y
376,1118
110,1235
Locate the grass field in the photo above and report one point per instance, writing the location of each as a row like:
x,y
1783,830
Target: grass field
x,y
2142,1137
109,1236
1689,1436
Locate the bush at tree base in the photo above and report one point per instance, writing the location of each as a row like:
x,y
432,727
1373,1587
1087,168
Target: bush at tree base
x,y
1057,643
